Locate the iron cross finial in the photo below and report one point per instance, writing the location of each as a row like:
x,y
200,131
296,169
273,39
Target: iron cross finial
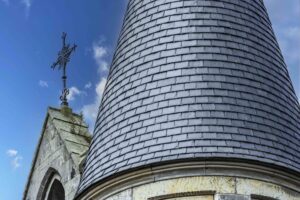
x,y
64,36
63,58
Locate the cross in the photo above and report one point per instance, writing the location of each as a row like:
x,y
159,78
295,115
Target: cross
x,y
63,58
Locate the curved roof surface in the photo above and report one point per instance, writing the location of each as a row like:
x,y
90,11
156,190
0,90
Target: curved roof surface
x,y
195,79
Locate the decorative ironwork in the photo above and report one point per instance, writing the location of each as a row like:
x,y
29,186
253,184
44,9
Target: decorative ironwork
x,y
63,58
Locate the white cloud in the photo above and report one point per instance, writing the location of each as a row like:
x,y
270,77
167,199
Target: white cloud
x,y
16,162
90,111
88,85
100,87
16,159
99,54
5,1
11,152
27,4
73,92
43,84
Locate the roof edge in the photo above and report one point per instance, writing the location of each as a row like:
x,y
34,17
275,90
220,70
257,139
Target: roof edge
x,y
237,161
36,153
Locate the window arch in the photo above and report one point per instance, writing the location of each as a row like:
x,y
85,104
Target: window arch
x,y
56,191
51,187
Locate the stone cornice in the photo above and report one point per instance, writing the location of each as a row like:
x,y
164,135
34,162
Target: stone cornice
x,y
242,169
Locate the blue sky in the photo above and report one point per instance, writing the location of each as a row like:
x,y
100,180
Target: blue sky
x,y
29,42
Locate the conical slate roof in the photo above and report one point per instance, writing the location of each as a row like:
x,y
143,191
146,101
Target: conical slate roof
x,y
195,79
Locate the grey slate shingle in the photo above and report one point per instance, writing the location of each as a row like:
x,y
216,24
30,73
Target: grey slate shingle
x,y
195,79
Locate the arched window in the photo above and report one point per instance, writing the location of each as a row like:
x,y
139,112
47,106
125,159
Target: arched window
x,y
57,191
51,187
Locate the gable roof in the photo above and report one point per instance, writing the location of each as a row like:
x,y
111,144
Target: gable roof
x,y
73,132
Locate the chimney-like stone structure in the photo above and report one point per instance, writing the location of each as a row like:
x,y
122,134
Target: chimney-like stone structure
x,y
198,105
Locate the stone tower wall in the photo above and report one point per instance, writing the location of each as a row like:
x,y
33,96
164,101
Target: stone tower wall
x,y
199,181
204,188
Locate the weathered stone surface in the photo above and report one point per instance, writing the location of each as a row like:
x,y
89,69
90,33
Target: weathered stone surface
x,y
172,186
63,141
249,186
125,195
225,188
194,198
232,197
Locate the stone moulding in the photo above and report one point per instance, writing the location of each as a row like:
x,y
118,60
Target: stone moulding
x,y
152,174
182,194
46,182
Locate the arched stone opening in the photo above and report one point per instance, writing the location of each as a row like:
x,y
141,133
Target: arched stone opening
x,y
57,191
51,187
